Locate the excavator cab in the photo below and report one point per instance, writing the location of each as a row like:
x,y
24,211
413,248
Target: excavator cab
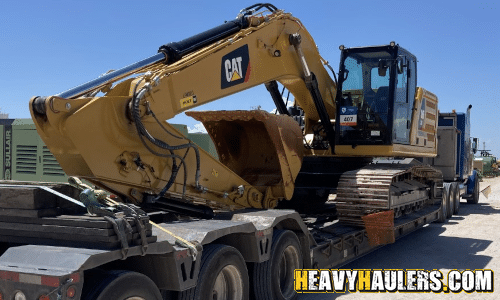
x,y
375,95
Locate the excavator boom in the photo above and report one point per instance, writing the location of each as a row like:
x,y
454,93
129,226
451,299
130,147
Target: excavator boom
x,y
112,131
118,140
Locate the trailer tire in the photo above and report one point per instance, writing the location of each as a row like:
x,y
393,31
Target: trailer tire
x,y
456,199
445,200
274,278
475,194
222,269
119,285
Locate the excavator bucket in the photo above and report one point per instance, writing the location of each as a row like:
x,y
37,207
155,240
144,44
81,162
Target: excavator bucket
x,y
264,149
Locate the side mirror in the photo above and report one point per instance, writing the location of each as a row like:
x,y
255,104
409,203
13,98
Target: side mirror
x,y
382,68
474,145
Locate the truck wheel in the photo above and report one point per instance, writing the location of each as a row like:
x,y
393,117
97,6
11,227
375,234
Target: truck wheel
x,y
274,279
223,276
475,194
451,201
443,213
119,285
456,199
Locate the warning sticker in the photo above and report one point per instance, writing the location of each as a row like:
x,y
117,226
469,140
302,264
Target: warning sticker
x,y
188,101
348,116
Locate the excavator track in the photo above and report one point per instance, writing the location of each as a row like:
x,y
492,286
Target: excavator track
x,y
403,188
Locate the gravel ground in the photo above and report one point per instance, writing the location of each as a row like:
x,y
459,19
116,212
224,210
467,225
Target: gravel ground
x,y
468,240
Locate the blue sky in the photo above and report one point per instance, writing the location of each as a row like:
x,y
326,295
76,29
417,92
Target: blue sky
x,y
47,47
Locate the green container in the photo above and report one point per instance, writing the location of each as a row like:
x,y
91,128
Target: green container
x,y
6,148
24,156
182,128
205,142
488,162
32,160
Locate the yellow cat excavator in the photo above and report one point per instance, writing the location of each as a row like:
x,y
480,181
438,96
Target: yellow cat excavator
x,y
112,131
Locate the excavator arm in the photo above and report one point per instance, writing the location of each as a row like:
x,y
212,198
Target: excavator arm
x,y
111,131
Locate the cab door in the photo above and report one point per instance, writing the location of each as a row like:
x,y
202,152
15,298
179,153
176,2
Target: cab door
x,y
404,97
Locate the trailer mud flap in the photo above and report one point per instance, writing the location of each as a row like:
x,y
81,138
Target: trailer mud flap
x,y
380,228
486,191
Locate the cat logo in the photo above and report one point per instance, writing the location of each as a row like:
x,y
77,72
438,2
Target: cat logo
x,y
235,67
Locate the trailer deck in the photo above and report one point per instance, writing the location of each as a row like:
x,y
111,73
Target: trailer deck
x,y
64,246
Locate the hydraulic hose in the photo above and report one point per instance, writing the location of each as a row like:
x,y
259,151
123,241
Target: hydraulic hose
x,y
161,144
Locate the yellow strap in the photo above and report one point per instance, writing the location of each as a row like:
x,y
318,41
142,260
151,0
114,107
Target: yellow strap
x,y
77,183
178,239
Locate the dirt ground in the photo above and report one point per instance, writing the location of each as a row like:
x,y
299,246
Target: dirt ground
x,y
468,240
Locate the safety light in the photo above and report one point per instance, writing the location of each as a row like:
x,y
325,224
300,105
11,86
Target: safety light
x,y
44,297
393,43
71,292
341,47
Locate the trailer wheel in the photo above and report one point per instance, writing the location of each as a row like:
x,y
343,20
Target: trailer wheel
x,y
475,194
223,276
119,285
445,204
274,279
456,201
